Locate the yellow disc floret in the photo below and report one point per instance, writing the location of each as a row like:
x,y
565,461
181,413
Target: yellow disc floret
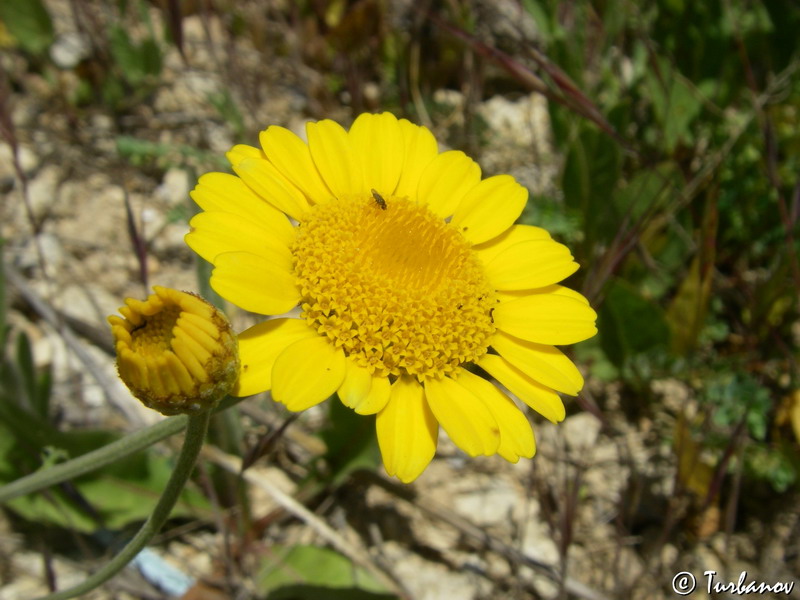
x,y
395,286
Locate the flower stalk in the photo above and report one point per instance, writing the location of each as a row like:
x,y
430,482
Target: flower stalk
x,y
193,441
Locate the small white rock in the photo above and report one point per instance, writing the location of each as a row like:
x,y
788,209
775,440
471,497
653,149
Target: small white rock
x,y
69,49
175,186
580,431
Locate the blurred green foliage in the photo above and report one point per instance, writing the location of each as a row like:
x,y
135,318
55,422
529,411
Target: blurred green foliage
x,y
308,572
30,25
690,227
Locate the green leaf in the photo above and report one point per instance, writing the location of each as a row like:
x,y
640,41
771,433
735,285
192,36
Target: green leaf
x,y
308,572
2,302
687,311
136,61
646,189
150,57
29,23
350,442
35,388
675,104
590,176
120,493
630,324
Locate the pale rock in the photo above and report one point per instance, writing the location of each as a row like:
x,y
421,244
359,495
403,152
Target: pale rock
x,y
607,476
522,122
151,218
507,19
102,122
520,142
87,302
92,393
629,566
669,554
69,49
427,580
452,98
538,542
28,161
196,557
45,348
45,247
171,239
276,477
42,190
705,559
175,186
675,394
580,432
219,137
489,500
189,93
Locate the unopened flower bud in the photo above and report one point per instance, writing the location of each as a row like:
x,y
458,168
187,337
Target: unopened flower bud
x,y
176,352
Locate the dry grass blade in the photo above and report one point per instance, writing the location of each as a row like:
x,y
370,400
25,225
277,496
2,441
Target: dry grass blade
x,y
137,241
568,93
175,21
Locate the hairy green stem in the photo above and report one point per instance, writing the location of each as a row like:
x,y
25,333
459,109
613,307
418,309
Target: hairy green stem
x,y
130,444
192,443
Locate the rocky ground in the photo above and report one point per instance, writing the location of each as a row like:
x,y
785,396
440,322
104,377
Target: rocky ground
x,y
594,515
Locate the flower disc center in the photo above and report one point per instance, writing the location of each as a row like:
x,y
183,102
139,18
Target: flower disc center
x,y
154,336
394,285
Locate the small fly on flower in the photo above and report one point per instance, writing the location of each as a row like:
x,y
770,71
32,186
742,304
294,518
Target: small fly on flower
x,y
379,200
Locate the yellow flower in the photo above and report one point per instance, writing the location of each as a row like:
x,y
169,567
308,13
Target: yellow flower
x,y
175,351
408,269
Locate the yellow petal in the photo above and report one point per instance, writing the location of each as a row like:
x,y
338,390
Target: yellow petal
x,y
378,396
545,364
516,435
463,416
222,192
446,180
531,264
307,372
254,283
407,431
241,152
334,158
264,179
419,149
260,345
516,234
377,143
356,385
292,158
214,233
540,398
555,290
546,319
490,208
